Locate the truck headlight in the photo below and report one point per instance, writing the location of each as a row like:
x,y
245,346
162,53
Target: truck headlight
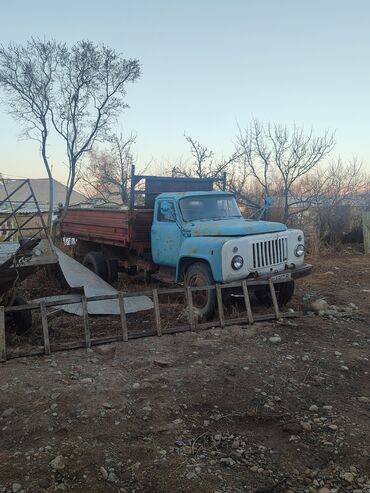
x,y
299,250
237,262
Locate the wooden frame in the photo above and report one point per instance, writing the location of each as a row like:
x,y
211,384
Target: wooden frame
x,y
125,335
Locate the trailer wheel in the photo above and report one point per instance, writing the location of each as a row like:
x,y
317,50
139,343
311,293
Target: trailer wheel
x,y
284,293
22,320
96,263
199,274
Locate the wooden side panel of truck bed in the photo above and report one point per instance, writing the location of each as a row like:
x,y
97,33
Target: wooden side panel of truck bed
x,y
122,228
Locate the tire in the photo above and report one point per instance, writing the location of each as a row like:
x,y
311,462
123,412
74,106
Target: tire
x,y
284,293
97,264
22,320
112,270
204,302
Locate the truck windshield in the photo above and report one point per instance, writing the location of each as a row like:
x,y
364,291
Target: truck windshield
x,y
209,207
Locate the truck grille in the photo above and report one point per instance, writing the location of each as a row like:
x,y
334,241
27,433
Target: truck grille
x,y
269,252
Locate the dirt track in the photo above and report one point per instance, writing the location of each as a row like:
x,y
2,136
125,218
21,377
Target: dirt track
x,y
218,411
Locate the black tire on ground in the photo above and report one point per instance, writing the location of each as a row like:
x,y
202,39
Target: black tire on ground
x,y
284,293
199,274
112,270
23,319
97,264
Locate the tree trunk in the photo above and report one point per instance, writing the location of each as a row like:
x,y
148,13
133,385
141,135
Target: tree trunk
x,y
286,204
51,182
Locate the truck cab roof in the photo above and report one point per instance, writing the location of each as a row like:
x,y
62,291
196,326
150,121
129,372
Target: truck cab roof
x,y
181,195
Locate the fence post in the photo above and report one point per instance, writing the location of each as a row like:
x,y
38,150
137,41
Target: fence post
x,y
45,328
123,316
189,297
157,313
86,321
2,334
220,305
274,299
247,302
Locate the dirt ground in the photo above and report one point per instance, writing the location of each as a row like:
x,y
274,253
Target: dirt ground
x,y
222,411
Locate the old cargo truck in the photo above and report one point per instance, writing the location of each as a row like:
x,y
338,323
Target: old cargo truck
x,y
184,232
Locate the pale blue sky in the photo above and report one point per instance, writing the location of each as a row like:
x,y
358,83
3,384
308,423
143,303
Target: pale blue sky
x,y
207,65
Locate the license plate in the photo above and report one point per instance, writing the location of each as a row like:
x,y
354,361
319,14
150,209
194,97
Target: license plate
x,y
281,277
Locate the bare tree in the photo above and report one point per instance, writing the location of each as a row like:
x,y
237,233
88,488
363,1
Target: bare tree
x,y
293,153
89,97
107,175
204,164
345,184
26,76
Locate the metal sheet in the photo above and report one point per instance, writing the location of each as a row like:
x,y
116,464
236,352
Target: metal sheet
x,y
79,276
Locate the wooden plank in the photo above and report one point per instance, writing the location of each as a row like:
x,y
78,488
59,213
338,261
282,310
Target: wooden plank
x,y
45,328
86,322
2,335
247,302
220,305
274,299
157,312
191,315
123,317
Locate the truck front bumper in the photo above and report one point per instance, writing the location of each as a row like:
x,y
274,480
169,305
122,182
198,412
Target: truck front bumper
x,y
285,276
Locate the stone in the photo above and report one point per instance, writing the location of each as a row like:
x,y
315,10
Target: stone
x,y
275,339
349,477
364,399
313,408
86,380
58,463
306,426
104,473
162,363
227,461
16,487
333,427
319,305
8,412
112,478
105,350
324,490
191,475
136,386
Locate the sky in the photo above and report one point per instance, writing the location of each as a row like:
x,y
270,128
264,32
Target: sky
x,y
209,66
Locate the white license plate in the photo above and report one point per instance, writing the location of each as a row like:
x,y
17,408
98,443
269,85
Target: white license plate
x,y
281,277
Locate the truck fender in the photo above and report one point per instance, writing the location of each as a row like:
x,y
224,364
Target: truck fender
x,y
198,249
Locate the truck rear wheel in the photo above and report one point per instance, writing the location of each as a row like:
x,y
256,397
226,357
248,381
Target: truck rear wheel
x,y
204,302
112,270
95,262
284,293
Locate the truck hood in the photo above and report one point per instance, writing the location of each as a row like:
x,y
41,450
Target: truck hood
x,y
233,227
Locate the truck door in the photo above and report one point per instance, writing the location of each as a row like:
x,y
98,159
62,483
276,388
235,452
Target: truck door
x,y
166,234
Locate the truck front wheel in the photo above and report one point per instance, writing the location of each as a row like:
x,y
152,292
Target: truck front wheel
x,y
204,302
284,293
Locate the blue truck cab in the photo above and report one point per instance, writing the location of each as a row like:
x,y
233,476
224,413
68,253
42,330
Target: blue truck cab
x,y
205,239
